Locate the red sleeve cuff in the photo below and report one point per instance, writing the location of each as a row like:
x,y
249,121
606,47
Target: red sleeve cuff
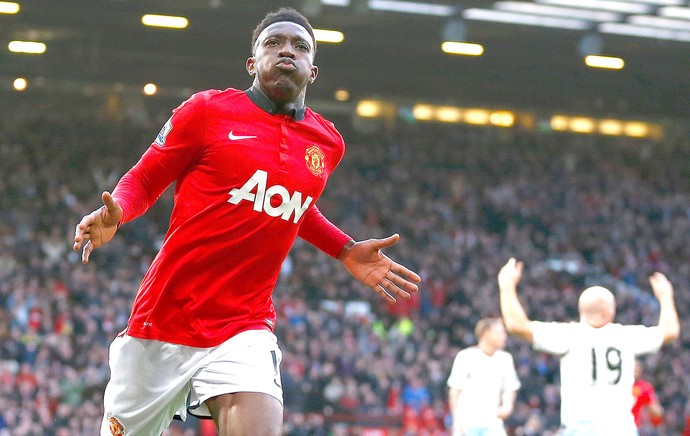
x,y
321,233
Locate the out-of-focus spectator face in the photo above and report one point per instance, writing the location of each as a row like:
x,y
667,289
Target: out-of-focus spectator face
x,y
496,335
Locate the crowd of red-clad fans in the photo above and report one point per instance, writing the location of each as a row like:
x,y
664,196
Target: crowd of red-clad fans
x,y
577,209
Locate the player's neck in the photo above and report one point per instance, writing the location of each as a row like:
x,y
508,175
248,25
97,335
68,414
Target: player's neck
x,y
486,348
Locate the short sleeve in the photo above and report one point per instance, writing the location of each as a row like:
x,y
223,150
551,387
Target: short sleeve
x,y
551,337
642,339
511,383
459,372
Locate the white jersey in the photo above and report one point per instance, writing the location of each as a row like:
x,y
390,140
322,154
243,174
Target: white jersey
x,y
481,379
597,370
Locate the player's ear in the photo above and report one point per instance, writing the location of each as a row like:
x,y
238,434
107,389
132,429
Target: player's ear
x,y
251,69
314,73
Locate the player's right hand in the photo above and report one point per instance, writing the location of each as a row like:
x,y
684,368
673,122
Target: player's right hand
x,y
98,227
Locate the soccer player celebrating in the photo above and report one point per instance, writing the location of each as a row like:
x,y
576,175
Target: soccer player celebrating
x,y
597,356
249,167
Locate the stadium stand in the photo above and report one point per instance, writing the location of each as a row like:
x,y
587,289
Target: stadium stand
x,y
578,209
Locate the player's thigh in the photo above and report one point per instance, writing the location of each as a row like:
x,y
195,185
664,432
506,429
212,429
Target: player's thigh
x,y
246,413
148,385
248,362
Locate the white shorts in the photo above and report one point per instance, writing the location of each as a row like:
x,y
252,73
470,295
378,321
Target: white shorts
x,y
624,427
152,381
491,429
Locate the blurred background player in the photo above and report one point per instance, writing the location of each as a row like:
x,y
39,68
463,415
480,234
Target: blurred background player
x,y
483,383
597,356
647,409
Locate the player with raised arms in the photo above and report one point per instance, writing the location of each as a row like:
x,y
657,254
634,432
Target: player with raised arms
x,y
597,356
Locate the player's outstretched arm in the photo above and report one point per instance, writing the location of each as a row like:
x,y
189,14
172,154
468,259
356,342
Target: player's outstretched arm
x,y
367,263
668,316
514,316
98,227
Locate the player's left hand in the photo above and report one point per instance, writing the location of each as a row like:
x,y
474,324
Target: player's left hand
x,y
510,274
661,286
367,263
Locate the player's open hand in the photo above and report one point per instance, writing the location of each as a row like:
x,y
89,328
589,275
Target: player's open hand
x,y
661,286
510,274
98,227
367,263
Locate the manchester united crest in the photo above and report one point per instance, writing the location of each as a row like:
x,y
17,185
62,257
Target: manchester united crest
x,y
116,429
315,160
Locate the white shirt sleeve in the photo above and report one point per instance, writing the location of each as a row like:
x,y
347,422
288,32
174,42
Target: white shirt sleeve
x,y
644,340
459,372
551,337
511,382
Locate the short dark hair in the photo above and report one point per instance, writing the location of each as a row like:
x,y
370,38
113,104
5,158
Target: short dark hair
x,y
283,14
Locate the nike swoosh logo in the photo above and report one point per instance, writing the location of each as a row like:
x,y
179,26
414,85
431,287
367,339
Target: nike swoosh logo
x,y
234,137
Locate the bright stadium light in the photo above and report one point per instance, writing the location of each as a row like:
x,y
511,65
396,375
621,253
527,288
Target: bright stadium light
x,y
342,94
423,112
369,108
332,36
449,114
477,116
610,127
502,118
150,89
606,62
20,84
9,8
168,21
462,48
559,122
582,125
30,47
636,129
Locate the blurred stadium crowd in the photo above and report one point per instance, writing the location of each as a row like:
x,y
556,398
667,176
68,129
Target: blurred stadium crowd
x,y
577,209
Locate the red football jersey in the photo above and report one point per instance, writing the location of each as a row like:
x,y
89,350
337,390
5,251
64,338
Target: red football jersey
x,y
644,394
247,183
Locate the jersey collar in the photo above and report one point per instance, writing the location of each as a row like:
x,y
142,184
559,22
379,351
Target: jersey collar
x,y
266,104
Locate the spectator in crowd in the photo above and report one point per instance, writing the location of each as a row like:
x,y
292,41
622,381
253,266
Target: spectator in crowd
x,y
483,383
597,356
579,209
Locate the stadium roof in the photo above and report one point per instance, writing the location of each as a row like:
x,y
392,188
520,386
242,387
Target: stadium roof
x,y
394,55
